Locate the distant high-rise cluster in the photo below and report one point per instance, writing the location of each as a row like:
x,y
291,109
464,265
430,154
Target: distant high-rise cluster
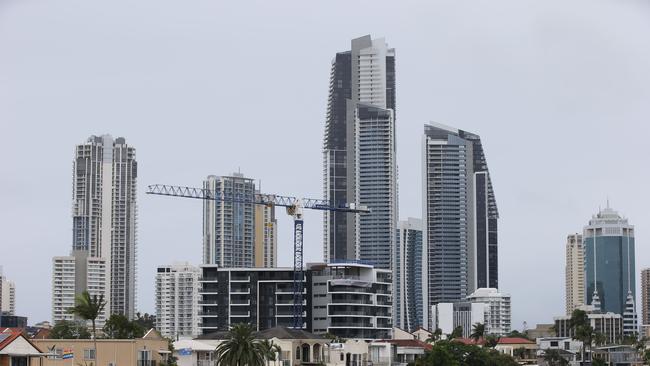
x,y
104,232
373,262
600,268
452,250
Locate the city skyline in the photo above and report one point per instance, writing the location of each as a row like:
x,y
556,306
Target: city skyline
x,y
560,101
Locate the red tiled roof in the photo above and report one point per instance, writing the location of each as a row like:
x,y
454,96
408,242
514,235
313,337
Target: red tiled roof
x,y
408,343
502,340
468,341
515,340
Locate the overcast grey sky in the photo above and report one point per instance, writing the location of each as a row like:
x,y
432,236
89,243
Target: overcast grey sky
x,y
558,90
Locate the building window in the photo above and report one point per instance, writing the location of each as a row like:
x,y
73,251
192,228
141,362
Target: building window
x,y
89,354
297,353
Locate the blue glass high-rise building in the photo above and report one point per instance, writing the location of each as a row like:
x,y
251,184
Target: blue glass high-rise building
x,y
610,265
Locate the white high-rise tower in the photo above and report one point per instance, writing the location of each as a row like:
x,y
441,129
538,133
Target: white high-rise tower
x,y
575,273
104,216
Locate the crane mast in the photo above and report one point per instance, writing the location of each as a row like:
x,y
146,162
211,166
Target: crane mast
x,y
294,207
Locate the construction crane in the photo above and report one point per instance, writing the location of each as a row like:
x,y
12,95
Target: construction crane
x,y
294,208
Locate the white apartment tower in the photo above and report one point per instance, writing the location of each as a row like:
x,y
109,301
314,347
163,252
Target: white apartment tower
x,y
177,295
575,273
71,275
7,296
359,163
498,316
104,219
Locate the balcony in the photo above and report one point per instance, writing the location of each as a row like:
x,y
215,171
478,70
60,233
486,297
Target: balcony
x,y
208,302
145,363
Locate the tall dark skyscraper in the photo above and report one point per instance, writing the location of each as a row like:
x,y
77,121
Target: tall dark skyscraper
x,y
459,217
359,153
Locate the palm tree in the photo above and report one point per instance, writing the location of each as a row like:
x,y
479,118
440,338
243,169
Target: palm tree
x,y
478,332
600,339
435,336
640,345
271,350
554,358
241,348
582,330
456,333
89,308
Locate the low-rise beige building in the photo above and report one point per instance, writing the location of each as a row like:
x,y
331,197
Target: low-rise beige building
x,y
150,350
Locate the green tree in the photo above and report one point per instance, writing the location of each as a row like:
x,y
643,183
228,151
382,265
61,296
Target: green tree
x,y
454,353
88,308
240,348
517,334
646,356
554,358
145,321
120,327
456,333
582,330
491,341
519,353
271,350
435,336
641,345
171,359
65,329
597,361
600,339
478,332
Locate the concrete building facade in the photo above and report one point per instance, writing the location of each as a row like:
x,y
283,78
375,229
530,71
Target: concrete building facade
x,y
448,316
266,232
236,232
498,314
645,296
359,163
262,297
609,324
149,350
351,299
71,276
459,216
177,297
407,270
574,273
